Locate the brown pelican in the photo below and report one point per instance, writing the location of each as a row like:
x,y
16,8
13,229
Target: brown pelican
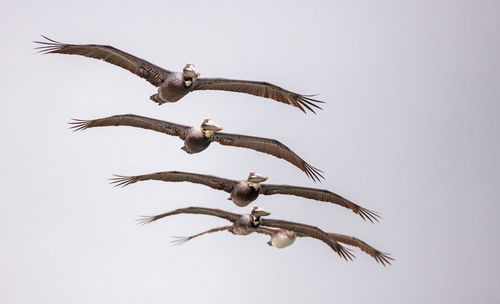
x,y
172,86
244,192
198,139
244,224
282,238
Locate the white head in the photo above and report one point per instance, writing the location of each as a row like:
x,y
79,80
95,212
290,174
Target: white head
x,y
189,71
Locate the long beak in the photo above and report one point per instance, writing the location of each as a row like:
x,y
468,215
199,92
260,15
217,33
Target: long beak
x,y
210,125
256,178
260,212
194,71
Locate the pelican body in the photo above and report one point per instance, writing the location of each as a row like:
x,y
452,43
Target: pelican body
x,y
246,191
175,86
198,139
247,223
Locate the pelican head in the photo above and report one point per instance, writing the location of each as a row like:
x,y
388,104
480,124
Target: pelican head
x,y
258,212
254,177
208,125
189,71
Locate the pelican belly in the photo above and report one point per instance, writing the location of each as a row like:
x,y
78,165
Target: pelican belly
x,y
282,240
243,194
173,88
242,230
243,225
195,141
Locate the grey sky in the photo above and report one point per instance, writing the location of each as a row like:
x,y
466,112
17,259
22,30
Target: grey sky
x,y
410,129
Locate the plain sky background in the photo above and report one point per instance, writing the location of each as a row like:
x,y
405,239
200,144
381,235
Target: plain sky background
x,y
410,129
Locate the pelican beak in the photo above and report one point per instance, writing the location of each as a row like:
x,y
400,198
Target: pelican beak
x,y
197,74
258,212
254,177
208,124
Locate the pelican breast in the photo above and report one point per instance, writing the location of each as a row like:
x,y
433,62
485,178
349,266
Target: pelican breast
x,y
243,194
243,225
195,141
173,88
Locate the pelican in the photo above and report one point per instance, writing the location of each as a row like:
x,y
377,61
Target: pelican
x,y
243,192
244,224
282,238
198,139
172,86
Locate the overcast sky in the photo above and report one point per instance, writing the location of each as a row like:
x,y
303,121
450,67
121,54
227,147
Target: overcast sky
x,y
410,129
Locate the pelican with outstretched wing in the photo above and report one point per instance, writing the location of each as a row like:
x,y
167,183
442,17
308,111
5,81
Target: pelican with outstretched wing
x,y
197,139
244,192
172,86
282,238
243,224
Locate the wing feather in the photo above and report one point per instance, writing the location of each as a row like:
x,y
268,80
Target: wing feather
x,y
177,176
132,121
152,73
258,88
320,195
266,231
269,146
379,256
191,210
179,240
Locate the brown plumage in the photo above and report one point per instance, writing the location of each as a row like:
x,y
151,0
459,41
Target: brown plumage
x,y
251,225
380,257
319,195
196,139
244,192
172,86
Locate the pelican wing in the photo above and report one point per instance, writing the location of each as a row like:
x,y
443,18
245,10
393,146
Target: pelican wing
x,y
269,146
310,231
183,239
179,240
257,88
266,231
192,210
379,256
177,176
133,121
319,195
152,73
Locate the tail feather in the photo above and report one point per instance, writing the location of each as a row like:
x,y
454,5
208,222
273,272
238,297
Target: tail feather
x,y
156,98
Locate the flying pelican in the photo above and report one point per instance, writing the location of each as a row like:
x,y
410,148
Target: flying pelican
x,y
172,86
282,238
244,224
244,192
198,139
